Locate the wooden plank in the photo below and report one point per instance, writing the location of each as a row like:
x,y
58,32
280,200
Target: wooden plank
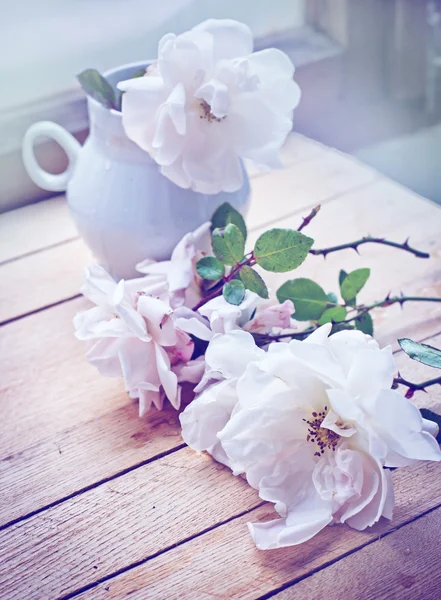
x,y
42,278
225,563
53,404
297,148
404,565
47,369
318,180
37,226
137,515
34,227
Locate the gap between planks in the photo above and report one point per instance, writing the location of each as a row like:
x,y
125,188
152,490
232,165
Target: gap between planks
x,y
276,592
377,570
225,543
94,485
290,585
141,562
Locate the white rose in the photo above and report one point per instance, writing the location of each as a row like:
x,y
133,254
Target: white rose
x,y
210,102
135,337
312,425
177,278
226,359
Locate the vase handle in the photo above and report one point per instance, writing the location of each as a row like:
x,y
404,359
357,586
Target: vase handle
x,y
45,180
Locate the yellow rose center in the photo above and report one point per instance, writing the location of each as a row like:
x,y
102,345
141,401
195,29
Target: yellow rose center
x,y
207,114
321,436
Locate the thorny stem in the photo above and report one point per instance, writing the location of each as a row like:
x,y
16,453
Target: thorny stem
x,y
264,339
415,387
249,260
369,240
388,301
307,220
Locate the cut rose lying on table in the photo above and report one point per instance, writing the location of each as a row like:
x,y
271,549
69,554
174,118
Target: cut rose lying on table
x,y
310,417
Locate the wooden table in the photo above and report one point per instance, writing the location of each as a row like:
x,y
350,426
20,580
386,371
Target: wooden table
x,y
97,503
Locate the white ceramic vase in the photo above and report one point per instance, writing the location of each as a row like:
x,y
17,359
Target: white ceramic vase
x,y
123,207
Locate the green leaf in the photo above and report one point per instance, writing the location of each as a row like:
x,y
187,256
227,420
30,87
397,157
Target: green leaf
x,y
234,292
225,215
365,324
332,298
138,73
333,315
341,277
280,250
423,353
94,84
432,416
210,268
228,244
353,283
253,281
308,297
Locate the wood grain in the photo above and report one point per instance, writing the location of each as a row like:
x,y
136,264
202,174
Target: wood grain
x,y
393,567
33,227
225,563
297,188
102,530
47,386
65,426
42,278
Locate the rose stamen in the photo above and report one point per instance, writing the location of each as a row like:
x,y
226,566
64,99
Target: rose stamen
x,y
207,114
322,437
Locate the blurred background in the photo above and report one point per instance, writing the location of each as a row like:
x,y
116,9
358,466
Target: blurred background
x,y
370,72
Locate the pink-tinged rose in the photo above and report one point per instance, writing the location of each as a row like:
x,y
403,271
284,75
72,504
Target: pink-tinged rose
x,y
135,338
224,317
182,351
177,278
115,313
271,315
